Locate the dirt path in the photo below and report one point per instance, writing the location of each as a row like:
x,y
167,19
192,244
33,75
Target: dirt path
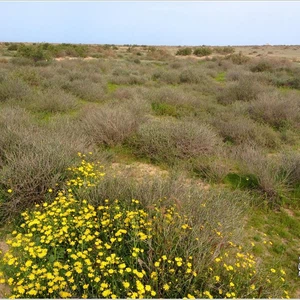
x,y
4,289
141,171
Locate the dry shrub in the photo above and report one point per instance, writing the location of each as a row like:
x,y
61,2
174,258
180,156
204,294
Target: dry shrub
x,y
53,100
172,96
127,79
266,169
240,129
238,59
13,88
32,160
268,64
30,75
123,93
276,109
111,125
290,164
87,90
166,76
212,168
242,90
194,76
227,207
235,73
167,140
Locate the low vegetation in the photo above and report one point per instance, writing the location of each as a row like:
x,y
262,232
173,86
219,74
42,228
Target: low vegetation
x,y
144,172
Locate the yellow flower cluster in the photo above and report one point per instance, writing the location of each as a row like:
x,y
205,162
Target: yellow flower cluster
x,y
87,174
69,248
234,273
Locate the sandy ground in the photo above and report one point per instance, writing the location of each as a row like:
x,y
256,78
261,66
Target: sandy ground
x,y
4,289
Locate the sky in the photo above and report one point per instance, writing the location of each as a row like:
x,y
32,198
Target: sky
x,y
152,22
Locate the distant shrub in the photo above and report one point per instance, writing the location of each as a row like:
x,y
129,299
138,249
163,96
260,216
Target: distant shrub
x,y
62,50
12,47
169,140
267,64
22,61
34,52
158,54
238,59
202,51
184,51
126,76
262,66
224,50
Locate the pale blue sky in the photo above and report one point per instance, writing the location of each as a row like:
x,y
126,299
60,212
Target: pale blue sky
x,y
152,23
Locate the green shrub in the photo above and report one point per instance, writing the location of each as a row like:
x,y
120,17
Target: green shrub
x,y
224,50
184,51
13,47
164,109
202,51
34,52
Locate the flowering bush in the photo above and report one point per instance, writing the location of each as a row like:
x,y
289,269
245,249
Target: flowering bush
x,y
69,248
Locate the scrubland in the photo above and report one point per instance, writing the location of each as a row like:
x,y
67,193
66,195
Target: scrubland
x,y
134,172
